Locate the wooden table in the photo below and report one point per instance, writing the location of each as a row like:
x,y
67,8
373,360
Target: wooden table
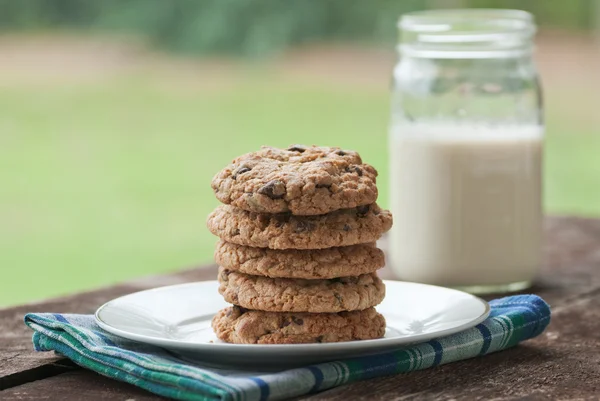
x,y
564,362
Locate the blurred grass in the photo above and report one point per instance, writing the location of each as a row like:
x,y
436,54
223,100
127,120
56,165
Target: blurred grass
x,y
108,181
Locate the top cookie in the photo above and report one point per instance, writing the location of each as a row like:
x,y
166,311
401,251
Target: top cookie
x,y
301,180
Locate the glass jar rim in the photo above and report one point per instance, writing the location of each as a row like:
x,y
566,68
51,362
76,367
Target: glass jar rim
x,y
438,20
471,32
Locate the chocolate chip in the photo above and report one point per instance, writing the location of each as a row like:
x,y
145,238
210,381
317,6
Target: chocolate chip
x,y
340,153
347,227
354,169
297,148
286,323
362,211
298,321
274,189
235,231
241,309
323,186
240,170
263,219
303,226
376,212
338,297
281,219
319,339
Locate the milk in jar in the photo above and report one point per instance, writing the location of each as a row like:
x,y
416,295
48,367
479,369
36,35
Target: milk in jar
x,y
467,204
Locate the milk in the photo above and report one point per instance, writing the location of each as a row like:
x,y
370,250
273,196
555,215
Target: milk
x,y
466,202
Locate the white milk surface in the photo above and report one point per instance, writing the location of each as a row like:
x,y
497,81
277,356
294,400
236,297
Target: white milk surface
x,y
466,202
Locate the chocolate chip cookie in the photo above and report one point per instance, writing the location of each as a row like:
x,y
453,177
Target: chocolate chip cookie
x,y
298,295
327,263
303,180
242,326
359,225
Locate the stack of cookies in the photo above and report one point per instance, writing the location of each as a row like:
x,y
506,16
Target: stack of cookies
x,y
297,253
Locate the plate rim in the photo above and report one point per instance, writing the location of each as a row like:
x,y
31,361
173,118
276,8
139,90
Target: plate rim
x,y
362,344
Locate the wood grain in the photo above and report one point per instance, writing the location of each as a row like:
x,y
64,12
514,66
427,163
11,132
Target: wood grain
x,y
78,385
564,362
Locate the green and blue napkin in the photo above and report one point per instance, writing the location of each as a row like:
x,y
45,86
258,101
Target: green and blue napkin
x,y
512,320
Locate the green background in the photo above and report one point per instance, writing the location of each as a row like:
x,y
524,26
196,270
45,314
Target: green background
x,y
103,180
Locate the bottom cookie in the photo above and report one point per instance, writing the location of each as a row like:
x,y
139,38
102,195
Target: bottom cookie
x,y
242,326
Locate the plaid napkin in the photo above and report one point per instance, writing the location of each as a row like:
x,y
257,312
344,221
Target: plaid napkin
x,y
512,320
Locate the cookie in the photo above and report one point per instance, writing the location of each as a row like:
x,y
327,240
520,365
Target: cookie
x,y
242,326
360,225
299,295
301,180
327,263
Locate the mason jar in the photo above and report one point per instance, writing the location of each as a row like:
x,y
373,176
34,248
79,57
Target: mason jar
x,y
465,146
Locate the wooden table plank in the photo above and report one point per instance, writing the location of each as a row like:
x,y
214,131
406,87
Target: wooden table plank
x,y
81,384
563,362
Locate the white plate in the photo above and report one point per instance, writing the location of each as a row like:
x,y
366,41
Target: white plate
x,y
178,318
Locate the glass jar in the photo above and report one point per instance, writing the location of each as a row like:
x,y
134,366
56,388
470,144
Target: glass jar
x,y
466,151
